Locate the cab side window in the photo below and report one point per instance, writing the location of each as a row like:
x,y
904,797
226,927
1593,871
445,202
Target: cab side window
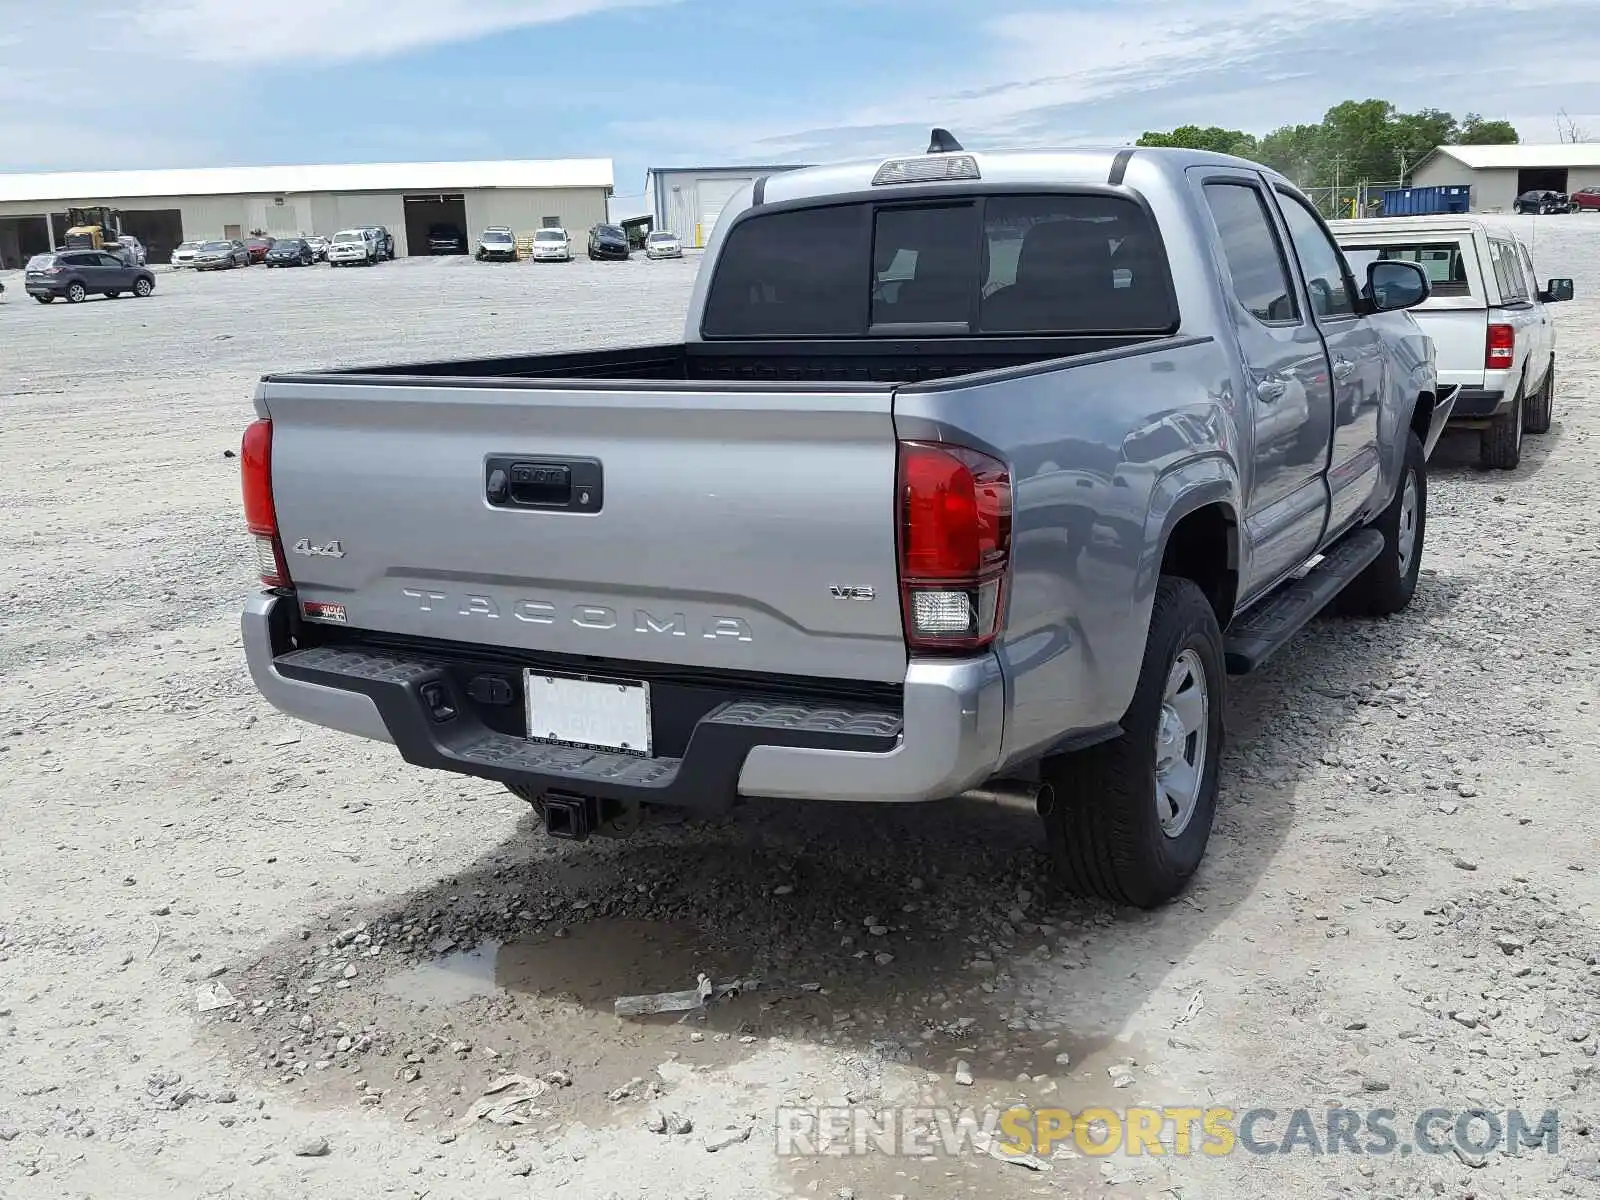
x,y
1250,244
1327,280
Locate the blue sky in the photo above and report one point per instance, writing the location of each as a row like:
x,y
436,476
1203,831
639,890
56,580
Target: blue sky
x,y
154,83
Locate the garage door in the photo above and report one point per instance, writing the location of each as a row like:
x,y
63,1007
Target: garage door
x,y
714,195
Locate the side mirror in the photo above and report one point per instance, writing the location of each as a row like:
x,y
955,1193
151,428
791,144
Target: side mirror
x,y
1393,285
1556,291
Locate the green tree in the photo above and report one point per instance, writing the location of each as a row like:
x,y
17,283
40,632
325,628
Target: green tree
x,y
1475,131
1417,134
1297,151
1359,140
1210,137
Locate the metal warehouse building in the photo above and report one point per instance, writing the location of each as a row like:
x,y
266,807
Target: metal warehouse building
x,y
163,208
688,200
1499,174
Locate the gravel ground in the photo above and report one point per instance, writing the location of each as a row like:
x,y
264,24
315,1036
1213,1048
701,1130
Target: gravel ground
x,y
1398,911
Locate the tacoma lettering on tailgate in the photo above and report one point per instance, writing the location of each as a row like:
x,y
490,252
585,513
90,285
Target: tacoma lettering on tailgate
x,y
584,616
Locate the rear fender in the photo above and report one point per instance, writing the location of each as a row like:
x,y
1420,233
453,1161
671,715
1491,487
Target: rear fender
x,y
1184,490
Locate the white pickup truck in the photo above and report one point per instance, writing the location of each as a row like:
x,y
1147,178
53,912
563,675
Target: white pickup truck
x,y
1486,315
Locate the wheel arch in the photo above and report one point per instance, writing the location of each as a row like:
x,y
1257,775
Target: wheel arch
x,y
1200,541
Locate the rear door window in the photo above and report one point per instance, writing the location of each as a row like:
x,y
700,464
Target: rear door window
x,y
1020,264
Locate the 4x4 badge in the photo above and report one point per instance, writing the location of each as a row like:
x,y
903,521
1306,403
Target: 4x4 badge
x,y
333,549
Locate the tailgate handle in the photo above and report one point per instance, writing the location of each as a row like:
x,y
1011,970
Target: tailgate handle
x,y
558,484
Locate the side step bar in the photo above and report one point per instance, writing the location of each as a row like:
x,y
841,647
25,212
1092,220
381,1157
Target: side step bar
x,y
1257,634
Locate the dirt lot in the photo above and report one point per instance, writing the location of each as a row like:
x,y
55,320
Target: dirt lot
x,y
1399,910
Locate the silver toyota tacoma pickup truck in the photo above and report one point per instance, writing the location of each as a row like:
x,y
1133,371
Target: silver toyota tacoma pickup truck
x,y
974,474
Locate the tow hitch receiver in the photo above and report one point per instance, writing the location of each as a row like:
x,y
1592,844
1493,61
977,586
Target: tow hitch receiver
x,y
570,817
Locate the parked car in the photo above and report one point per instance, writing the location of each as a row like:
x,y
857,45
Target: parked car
x,y
76,274
1586,200
446,239
258,247
320,245
1542,202
1487,316
554,606
661,244
221,255
497,244
183,256
552,245
608,241
353,247
291,252
134,251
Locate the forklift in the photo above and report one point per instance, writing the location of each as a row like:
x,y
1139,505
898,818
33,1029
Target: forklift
x,y
96,228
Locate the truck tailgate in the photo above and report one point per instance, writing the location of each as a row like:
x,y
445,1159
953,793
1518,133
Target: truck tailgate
x,y
1458,334
707,529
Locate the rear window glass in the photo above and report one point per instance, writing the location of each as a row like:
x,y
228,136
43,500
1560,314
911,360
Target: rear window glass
x,y
1022,264
40,261
1445,267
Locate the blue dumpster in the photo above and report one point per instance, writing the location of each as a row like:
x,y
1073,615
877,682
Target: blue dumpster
x,y
1424,201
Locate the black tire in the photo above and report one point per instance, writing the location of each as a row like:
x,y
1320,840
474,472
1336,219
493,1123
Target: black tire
x,y
143,287
75,293
1540,409
1105,830
1501,446
1390,580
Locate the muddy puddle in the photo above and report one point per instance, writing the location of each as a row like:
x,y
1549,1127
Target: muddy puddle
x,y
424,1029
576,977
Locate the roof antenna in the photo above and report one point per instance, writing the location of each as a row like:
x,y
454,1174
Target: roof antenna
x,y
942,142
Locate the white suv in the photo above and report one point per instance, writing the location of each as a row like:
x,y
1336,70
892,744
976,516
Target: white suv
x,y
1494,337
352,246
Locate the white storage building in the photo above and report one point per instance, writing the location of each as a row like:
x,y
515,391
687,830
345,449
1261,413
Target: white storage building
x,y
1499,174
688,200
164,207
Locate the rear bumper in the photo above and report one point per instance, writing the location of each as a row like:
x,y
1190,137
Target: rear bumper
x,y
1480,404
943,737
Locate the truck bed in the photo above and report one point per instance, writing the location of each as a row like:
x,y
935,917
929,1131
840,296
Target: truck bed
x,y
878,363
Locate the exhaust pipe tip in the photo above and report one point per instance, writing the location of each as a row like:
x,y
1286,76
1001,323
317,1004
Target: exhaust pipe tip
x,y
1038,799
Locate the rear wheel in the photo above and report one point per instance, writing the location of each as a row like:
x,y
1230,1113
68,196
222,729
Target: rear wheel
x,y
1540,410
1390,580
76,293
1501,447
1131,817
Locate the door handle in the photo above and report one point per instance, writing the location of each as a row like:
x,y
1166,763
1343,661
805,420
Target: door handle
x,y
1270,391
1343,368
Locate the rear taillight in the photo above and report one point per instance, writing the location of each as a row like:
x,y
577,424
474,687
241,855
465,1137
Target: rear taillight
x,y
955,545
1500,349
260,516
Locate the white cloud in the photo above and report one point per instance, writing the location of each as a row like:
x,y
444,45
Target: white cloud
x,y
341,30
1105,74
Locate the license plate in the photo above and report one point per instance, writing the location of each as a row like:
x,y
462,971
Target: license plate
x,y
601,714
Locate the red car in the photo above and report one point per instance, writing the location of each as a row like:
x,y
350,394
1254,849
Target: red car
x,y
1587,200
258,247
